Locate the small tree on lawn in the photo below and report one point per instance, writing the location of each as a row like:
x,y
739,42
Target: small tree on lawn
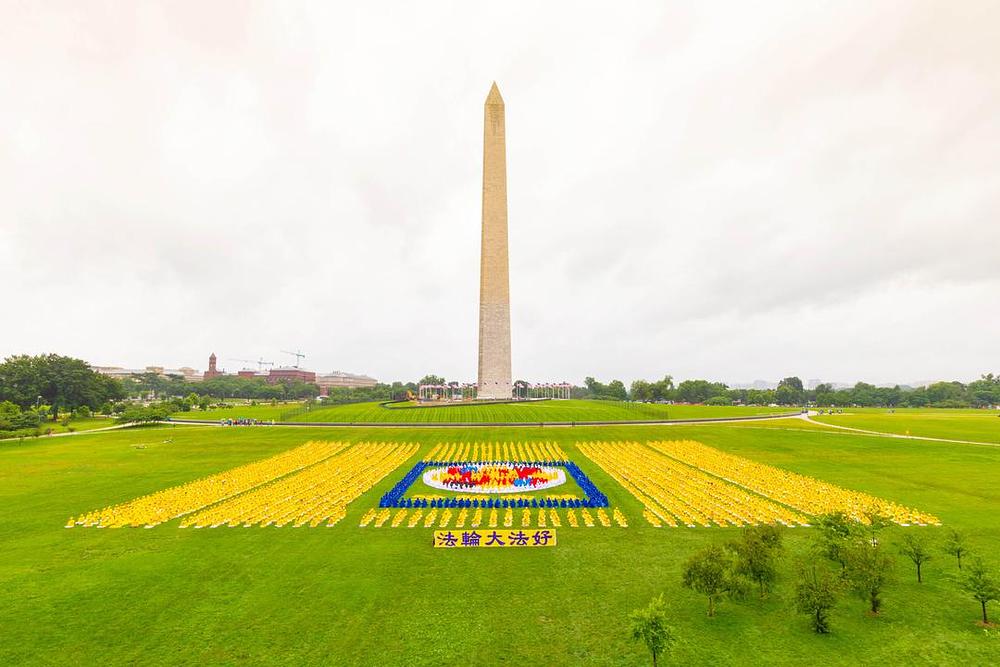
x,y
954,544
650,626
712,573
757,552
915,548
836,532
876,524
816,595
869,569
983,586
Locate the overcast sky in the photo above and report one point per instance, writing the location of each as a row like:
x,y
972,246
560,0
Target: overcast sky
x,y
732,192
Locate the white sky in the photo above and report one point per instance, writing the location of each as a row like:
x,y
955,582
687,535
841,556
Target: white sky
x,y
726,191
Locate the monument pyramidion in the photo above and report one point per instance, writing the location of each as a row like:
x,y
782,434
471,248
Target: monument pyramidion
x,y
494,282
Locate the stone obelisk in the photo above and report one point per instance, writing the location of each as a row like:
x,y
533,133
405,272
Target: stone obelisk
x,y
494,283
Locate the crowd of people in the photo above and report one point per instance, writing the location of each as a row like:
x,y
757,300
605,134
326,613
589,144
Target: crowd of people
x,y
494,478
800,492
317,495
686,483
152,510
539,453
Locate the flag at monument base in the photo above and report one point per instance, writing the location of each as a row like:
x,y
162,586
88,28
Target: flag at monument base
x,y
531,537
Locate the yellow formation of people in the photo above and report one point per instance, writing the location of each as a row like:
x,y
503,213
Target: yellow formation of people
x,y
679,494
154,509
474,452
686,483
799,492
315,495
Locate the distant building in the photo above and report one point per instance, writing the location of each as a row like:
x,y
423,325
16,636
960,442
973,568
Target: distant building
x,y
275,375
189,374
341,379
116,372
212,370
291,373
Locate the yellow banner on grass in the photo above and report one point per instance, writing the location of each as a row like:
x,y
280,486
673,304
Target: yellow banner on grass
x,y
530,537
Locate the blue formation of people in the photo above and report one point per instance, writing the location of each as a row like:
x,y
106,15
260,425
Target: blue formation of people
x,y
593,496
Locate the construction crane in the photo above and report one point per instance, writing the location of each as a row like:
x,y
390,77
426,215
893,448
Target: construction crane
x,y
298,356
260,363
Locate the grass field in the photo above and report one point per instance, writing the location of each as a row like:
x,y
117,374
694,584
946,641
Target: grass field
x,y
263,411
347,595
974,425
527,413
87,424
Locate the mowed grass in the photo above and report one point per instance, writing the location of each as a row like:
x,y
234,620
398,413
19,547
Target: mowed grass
x,y
88,424
262,411
974,425
523,413
352,596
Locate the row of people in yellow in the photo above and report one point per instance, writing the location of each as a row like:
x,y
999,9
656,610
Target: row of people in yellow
x,y
496,451
155,508
316,495
510,497
800,492
528,518
678,494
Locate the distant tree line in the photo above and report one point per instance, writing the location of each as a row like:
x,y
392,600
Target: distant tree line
x,y
983,392
38,388
225,386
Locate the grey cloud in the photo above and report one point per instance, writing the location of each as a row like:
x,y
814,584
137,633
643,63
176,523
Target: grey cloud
x,y
738,194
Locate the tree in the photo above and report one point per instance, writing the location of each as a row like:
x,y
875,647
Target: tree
x,y
63,383
815,595
712,573
664,389
141,415
699,391
875,524
617,391
641,391
836,532
982,585
869,569
650,626
792,382
431,379
954,544
915,548
756,555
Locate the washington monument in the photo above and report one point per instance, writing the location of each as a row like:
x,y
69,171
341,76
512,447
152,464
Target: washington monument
x,y
494,284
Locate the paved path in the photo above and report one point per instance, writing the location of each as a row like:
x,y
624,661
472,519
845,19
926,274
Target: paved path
x,y
808,418
84,432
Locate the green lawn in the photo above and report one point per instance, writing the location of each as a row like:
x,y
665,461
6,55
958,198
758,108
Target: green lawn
x,y
347,595
527,412
263,411
87,424
975,425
